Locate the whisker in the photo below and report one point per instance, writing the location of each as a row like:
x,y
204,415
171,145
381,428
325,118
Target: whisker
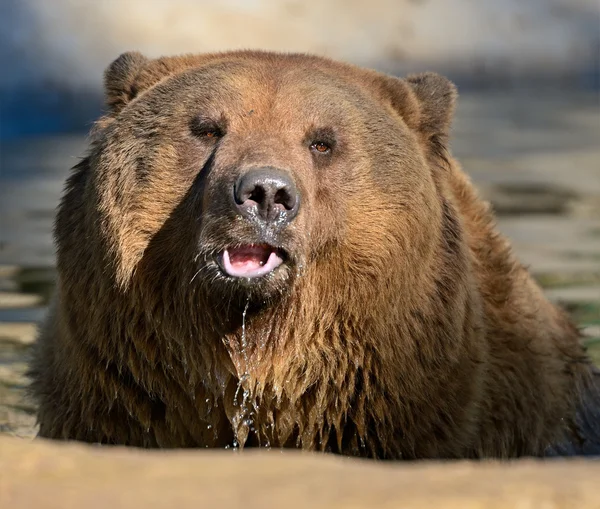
x,y
194,276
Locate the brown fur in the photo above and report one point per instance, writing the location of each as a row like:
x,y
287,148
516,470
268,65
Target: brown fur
x,y
404,328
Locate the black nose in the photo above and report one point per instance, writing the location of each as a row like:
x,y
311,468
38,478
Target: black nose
x,y
268,194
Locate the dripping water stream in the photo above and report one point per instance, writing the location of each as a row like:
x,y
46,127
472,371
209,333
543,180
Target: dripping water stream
x,y
244,419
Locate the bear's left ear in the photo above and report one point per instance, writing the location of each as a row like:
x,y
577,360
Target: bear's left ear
x,y
436,96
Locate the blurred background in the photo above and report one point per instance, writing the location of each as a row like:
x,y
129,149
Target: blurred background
x,y
527,128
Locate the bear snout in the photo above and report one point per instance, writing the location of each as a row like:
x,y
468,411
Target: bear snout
x,y
266,195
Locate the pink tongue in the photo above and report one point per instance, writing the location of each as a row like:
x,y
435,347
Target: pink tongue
x,y
250,261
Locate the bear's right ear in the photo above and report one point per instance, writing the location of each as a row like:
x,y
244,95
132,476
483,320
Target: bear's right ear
x,y
120,79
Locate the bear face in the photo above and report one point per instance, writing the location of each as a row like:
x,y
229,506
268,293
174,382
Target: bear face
x,y
266,249
339,151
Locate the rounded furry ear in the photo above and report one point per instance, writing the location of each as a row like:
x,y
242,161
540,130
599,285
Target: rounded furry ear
x,y
120,77
437,99
401,97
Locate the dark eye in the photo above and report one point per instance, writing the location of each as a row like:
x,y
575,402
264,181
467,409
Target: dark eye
x,y
206,128
321,147
321,141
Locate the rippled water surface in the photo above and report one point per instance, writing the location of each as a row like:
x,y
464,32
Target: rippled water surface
x,y
536,156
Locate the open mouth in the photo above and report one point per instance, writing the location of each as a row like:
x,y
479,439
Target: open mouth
x,y
250,261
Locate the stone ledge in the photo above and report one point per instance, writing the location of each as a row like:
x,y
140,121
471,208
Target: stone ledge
x,y
52,475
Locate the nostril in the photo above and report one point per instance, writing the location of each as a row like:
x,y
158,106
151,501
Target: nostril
x,y
247,193
284,197
257,194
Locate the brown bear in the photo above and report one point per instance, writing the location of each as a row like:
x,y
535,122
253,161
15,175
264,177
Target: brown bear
x,y
278,250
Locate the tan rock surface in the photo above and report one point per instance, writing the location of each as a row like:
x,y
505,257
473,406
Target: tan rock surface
x,y
48,475
17,300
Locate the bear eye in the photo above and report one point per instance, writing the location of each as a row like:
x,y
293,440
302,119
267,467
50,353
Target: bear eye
x,y
321,141
321,147
202,127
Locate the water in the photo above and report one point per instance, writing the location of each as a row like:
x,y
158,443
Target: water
x,y
536,156
242,421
